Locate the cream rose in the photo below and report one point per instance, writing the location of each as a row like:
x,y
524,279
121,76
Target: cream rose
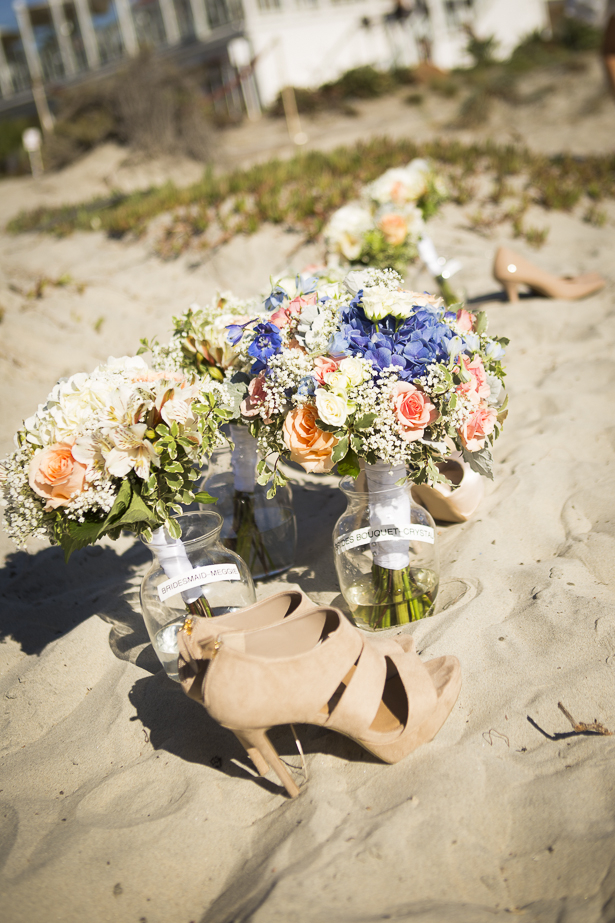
x,y
332,408
55,475
353,370
309,446
337,382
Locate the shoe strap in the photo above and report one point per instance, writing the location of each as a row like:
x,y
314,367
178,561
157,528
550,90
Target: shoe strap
x,y
361,698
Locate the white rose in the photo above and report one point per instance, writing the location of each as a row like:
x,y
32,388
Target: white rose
x,y
346,230
356,280
353,369
332,408
378,302
338,382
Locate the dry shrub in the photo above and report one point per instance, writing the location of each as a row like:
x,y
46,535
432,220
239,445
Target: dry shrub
x,y
150,106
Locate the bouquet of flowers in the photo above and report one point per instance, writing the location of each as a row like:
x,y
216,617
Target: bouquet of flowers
x,y
199,347
383,228
116,449
362,373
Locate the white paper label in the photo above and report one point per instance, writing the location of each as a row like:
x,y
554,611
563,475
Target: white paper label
x,y
210,573
369,536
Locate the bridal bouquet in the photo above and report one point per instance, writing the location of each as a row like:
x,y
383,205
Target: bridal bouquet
x,y
369,376
200,348
116,449
363,370
383,228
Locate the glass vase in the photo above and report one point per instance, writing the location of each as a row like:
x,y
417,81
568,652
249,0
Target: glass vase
x,y
385,548
192,575
263,531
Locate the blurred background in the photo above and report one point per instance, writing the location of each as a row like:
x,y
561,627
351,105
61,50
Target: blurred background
x,y
169,76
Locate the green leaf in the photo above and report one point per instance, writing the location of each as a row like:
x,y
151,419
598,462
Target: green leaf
x,y
204,497
482,322
172,449
174,429
271,492
325,427
162,430
128,509
357,444
452,402
481,462
187,497
365,421
340,450
349,464
173,528
175,468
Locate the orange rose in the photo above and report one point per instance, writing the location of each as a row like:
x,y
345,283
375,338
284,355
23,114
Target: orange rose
x,y
394,228
55,475
308,445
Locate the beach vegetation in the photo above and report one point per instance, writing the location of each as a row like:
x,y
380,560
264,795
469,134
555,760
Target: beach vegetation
x,y
302,192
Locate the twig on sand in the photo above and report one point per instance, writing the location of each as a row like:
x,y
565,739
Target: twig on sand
x,y
581,728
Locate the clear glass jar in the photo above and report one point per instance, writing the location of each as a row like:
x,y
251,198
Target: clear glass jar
x,y
192,575
385,549
263,531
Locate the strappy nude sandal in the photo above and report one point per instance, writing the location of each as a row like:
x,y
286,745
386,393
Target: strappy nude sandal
x,y
318,669
199,631
512,270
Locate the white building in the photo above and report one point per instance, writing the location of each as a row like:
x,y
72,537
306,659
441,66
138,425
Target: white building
x,y
297,42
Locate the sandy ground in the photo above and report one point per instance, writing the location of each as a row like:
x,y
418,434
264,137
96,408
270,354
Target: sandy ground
x,y
120,799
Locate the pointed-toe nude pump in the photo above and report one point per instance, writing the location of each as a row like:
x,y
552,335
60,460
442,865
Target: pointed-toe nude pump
x,y
455,502
512,270
318,669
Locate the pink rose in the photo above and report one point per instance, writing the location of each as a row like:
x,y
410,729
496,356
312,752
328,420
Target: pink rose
x,y
477,388
322,366
413,410
257,394
309,446
394,228
465,320
479,425
55,475
284,315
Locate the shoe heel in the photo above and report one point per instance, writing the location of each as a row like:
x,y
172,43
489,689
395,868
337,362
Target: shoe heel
x,y
262,766
512,290
258,741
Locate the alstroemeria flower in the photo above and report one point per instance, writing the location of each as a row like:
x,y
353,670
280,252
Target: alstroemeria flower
x,y
130,451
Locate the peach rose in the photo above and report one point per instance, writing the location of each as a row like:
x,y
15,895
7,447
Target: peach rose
x,y
323,366
55,475
257,393
308,445
465,320
479,425
413,409
394,228
477,388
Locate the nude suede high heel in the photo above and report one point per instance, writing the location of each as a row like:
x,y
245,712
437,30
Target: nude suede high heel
x,y
452,504
318,669
512,270
199,631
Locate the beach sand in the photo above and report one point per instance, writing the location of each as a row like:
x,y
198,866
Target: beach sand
x,y
121,800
